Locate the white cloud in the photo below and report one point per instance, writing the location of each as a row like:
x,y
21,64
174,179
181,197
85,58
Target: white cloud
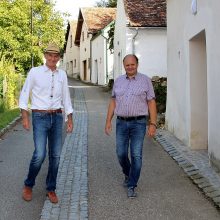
x,y
72,6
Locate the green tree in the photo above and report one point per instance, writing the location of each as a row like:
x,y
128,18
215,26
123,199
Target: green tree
x,y
107,3
26,27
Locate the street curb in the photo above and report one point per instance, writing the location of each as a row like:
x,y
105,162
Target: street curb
x,y
10,126
202,182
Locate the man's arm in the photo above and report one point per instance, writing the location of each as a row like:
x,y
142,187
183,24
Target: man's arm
x,y
110,114
153,117
25,119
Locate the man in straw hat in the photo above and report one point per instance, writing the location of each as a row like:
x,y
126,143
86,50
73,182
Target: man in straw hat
x,y
47,86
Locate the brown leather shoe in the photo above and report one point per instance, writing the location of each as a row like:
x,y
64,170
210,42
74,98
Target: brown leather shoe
x,y
27,193
52,197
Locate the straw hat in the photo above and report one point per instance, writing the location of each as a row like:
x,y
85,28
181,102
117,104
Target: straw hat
x,y
52,48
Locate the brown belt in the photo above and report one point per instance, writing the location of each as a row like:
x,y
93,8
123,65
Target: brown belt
x,y
48,111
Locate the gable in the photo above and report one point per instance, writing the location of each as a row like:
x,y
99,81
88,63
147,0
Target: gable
x,y
95,19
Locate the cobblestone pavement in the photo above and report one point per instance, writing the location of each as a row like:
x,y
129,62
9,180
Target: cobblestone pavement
x,y
72,185
72,189
195,163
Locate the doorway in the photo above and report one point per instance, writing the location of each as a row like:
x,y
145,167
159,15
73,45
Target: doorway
x,y
84,70
198,92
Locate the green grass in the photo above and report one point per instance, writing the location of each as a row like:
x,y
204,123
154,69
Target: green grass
x,y
8,116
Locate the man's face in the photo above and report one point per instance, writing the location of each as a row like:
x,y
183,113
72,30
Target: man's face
x,y
52,59
130,65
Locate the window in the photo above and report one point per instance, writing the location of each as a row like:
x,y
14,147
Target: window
x,y
89,64
82,36
74,62
71,41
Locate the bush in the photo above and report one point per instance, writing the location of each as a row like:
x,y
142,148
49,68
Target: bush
x,y
10,85
160,89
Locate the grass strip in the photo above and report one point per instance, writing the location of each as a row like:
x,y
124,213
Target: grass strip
x,y
8,116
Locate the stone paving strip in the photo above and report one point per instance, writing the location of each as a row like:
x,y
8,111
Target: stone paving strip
x,y
72,181
194,163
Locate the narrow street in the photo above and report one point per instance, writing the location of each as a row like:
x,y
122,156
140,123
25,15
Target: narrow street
x,y
164,191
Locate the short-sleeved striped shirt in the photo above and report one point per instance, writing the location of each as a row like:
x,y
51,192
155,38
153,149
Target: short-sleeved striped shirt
x,y
131,95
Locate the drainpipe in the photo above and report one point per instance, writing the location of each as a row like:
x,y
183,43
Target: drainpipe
x,y
106,56
90,60
133,40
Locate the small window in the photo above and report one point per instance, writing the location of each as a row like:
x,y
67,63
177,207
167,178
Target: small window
x,y
82,36
71,41
74,62
89,64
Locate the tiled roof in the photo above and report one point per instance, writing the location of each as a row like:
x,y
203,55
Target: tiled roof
x,y
146,13
95,18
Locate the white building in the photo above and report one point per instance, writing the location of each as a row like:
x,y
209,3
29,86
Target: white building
x,y
90,22
193,74
102,58
71,56
141,30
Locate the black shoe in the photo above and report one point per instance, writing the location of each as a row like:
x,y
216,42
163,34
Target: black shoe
x,y
125,183
131,193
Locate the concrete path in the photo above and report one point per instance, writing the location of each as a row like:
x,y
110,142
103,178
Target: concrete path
x,y
90,179
16,149
164,192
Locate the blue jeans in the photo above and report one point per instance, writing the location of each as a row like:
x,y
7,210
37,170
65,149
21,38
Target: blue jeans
x,y
46,127
130,133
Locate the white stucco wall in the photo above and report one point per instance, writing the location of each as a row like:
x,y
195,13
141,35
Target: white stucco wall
x,y
149,44
183,62
102,59
85,53
71,61
120,39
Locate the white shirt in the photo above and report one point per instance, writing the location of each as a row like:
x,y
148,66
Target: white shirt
x,y
47,89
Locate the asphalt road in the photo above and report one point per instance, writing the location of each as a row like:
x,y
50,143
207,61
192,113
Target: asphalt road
x,y
164,190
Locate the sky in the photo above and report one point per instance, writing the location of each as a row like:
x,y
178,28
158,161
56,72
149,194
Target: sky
x,y
72,6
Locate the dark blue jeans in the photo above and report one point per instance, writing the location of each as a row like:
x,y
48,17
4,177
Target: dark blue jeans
x,y
130,134
46,127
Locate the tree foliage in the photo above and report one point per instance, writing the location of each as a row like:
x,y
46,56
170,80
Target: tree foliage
x,y
111,36
107,3
20,38
26,27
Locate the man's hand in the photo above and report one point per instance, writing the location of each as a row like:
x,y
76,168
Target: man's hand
x,y
69,124
108,128
25,119
108,124
151,130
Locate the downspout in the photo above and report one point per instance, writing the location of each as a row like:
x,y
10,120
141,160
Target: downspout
x,y
133,40
106,56
90,60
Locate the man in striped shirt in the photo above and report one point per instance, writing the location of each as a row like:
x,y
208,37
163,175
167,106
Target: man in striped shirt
x,y
133,101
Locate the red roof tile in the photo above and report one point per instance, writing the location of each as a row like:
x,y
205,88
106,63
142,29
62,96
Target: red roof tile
x,y
95,19
146,13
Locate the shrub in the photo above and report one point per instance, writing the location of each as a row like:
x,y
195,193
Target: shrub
x,y
160,89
